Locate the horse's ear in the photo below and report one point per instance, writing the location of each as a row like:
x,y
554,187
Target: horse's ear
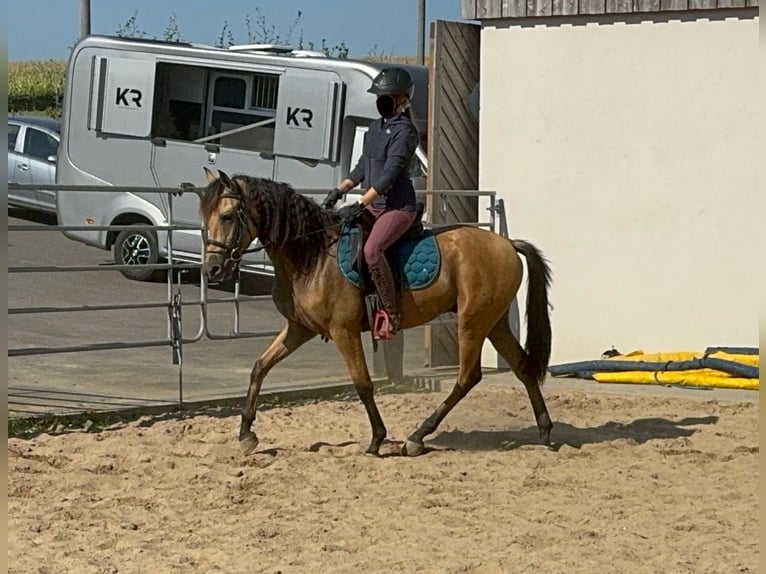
x,y
209,175
225,180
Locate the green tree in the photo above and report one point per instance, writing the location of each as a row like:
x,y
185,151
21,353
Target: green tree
x,y
225,38
265,33
258,31
172,33
130,29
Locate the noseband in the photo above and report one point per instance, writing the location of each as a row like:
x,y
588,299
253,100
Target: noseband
x,y
232,250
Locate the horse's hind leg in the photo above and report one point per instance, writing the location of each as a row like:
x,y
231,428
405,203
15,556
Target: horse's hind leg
x,y
414,445
469,375
289,339
509,348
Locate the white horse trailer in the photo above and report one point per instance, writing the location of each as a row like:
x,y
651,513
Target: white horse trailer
x,y
141,113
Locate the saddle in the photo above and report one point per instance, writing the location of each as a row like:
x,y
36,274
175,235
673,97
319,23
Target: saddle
x,y
414,258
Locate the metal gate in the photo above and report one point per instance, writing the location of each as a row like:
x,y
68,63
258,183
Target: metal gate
x,y
177,306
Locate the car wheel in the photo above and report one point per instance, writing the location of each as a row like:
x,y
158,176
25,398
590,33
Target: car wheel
x,y
138,248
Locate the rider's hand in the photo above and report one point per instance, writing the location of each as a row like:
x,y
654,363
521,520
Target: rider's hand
x,y
350,213
332,198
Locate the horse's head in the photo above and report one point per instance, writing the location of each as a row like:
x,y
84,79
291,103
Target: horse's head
x,y
229,229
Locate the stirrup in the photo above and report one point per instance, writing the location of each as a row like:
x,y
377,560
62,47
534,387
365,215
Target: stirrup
x,y
383,327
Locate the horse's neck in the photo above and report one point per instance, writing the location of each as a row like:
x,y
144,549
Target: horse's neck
x,y
285,273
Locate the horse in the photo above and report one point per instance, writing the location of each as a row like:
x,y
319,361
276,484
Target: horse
x,y
479,277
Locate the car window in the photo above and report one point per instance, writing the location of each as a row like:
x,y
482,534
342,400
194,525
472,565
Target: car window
x,y
39,144
13,132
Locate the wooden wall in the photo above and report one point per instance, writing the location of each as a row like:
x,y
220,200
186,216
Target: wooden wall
x,y
453,148
488,9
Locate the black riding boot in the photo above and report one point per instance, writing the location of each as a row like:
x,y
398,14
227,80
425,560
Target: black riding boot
x,y
384,285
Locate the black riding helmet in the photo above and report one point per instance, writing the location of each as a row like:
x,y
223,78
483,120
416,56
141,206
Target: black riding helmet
x,y
391,81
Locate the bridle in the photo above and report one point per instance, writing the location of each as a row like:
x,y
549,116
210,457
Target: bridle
x,y
232,250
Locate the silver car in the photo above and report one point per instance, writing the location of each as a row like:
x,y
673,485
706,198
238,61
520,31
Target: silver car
x,y
32,147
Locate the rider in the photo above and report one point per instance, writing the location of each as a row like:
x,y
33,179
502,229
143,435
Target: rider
x,y
383,169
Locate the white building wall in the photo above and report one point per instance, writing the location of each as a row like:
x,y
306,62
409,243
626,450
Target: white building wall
x,y
627,152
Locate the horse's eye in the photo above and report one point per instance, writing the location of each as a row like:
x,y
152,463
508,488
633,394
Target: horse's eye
x,y
228,218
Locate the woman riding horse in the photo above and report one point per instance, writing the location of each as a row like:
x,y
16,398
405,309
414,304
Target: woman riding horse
x,y
388,148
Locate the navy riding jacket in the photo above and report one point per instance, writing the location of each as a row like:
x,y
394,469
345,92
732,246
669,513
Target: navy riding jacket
x,y
389,145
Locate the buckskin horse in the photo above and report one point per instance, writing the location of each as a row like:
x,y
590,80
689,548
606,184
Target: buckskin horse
x,y
479,275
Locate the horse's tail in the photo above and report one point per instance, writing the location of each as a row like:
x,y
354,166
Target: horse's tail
x,y
538,344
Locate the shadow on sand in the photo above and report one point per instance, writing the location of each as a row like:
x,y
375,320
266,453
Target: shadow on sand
x,y
640,431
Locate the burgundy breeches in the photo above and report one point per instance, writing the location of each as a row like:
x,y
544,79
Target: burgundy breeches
x,y
389,226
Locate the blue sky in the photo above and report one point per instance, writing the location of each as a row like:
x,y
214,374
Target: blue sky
x,y
46,29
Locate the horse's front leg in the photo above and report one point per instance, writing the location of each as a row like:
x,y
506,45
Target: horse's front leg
x,y
350,346
291,337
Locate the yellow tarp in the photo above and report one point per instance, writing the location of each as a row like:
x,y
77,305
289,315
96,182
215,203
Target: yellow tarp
x,y
679,356
693,378
690,377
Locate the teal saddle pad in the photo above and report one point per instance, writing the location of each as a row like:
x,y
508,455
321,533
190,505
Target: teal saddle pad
x,y
418,259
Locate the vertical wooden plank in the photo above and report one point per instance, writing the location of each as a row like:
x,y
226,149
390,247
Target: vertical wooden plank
x,y
514,8
493,8
539,7
702,4
731,4
619,6
564,7
487,9
671,5
592,7
752,3
646,5
469,9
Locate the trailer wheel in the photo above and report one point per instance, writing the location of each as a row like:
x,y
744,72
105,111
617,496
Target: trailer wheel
x,y
138,248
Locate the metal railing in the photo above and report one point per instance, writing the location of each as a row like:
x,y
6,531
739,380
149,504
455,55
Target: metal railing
x,y
173,302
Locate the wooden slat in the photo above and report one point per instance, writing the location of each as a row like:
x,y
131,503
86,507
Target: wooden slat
x,y
494,8
701,4
731,3
619,6
646,5
564,7
539,7
488,9
469,9
752,3
514,8
592,7
670,5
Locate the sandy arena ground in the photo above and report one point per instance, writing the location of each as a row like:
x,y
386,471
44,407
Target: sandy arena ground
x,y
636,484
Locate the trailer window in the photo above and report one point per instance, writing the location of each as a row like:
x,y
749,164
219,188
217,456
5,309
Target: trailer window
x,y
264,93
243,110
229,92
231,108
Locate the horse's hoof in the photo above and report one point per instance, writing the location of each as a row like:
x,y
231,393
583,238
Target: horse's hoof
x,y
411,448
248,444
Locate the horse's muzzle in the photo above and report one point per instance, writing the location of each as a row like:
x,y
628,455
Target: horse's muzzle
x,y
217,268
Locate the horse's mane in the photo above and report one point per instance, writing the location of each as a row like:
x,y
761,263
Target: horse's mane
x,y
285,219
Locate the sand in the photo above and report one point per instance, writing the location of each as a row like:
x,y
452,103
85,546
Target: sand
x,y
637,484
